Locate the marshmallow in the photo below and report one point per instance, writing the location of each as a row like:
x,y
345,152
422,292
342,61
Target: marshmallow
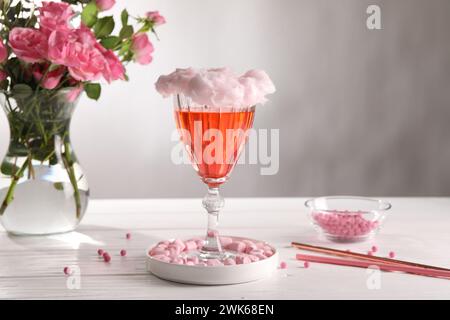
x,y
237,246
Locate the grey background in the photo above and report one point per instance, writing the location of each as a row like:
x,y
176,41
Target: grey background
x,y
360,112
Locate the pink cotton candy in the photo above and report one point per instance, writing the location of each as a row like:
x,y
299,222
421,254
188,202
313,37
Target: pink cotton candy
x,y
219,87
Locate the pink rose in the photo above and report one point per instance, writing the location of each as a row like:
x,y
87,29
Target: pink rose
x,y
84,63
104,5
142,48
86,59
28,44
114,69
55,15
3,75
51,79
3,52
155,17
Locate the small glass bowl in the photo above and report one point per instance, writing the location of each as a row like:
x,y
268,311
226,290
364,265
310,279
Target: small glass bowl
x,y
347,219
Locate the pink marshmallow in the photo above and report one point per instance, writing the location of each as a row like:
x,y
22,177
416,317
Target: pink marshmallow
x,y
237,246
159,251
162,258
179,243
243,260
193,259
214,262
225,241
229,262
190,245
268,253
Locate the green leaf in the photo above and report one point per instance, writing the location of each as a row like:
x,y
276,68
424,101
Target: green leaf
x,y
110,42
9,169
126,32
104,27
22,91
93,90
89,14
124,17
58,186
17,150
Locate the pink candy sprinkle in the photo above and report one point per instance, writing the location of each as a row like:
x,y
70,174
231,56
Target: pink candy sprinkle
x,y
370,253
392,254
123,253
67,271
344,224
306,264
283,265
374,249
128,236
100,252
106,257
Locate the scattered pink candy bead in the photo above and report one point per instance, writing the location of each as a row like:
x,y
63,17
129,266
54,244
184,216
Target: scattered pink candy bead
x,y
374,249
344,224
370,253
106,257
306,264
128,236
100,252
123,252
283,265
67,271
392,254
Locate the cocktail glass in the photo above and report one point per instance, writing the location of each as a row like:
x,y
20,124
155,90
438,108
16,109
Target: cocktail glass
x,y
214,138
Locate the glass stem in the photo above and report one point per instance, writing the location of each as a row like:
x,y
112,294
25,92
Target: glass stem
x,y
212,202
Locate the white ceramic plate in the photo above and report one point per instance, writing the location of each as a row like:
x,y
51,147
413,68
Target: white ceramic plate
x,y
219,275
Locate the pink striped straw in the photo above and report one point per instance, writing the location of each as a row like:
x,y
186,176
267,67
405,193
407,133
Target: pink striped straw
x,y
383,266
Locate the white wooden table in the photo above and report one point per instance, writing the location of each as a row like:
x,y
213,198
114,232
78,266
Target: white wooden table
x,y
32,267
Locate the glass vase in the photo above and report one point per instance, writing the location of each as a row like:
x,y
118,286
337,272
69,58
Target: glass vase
x,y
42,186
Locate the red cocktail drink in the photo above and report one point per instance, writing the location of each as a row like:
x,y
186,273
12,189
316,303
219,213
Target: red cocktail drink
x,y
214,139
